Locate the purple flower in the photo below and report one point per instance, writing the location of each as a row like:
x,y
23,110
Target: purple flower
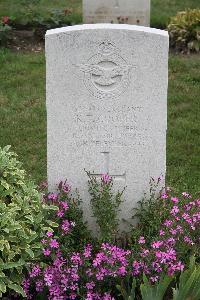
x,y
90,285
186,195
49,234
161,232
35,271
157,244
60,213
174,199
46,252
66,226
106,178
141,240
48,278
64,205
54,244
53,196
66,188
164,196
39,285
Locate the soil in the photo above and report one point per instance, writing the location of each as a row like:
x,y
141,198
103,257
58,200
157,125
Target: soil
x,y
26,41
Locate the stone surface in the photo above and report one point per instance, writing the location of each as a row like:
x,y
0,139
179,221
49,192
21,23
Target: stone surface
x,y
117,11
107,107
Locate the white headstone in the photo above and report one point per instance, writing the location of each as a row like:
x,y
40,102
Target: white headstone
x,y
117,11
107,107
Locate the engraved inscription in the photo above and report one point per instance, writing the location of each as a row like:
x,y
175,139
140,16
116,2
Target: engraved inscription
x,y
106,74
116,126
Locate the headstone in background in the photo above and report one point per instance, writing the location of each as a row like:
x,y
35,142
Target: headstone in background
x,y
117,11
107,107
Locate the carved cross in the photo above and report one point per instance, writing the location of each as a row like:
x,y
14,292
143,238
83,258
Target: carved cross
x,y
116,3
105,168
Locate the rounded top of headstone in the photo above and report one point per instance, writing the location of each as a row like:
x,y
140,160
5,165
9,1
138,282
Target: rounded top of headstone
x,y
106,26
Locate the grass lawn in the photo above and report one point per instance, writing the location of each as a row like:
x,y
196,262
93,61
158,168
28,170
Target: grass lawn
x,y
161,10
23,115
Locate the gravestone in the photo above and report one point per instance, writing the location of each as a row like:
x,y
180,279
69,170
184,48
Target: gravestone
x,y
117,11
107,108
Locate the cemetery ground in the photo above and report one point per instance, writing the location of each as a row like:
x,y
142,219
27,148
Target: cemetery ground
x,y
23,115
161,10
46,249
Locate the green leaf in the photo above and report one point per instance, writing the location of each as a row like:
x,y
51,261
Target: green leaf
x,y
189,283
11,265
2,287
17,288
30,252
52,224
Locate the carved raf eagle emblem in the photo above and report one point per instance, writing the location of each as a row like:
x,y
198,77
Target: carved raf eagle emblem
x,y
104,76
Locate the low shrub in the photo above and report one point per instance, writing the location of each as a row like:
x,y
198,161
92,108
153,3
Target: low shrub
x,y
5,30
170,221
105,206
184,31
65,221
100,271
45,242
22,217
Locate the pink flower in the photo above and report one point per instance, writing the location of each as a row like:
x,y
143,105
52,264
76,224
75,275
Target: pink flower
x,y
99,276
179,228
49,234
76,259
174,199
122,271
106,178
157,244
54,244
186,195
107,296
87,251
173,231
48,278
174,210
39,286
60,213
66,188
43,241
46,252
64,205
164,196
141,240
161,232
144,252
154,278
35,271
53,196
168,223
188,240
5,19
90,285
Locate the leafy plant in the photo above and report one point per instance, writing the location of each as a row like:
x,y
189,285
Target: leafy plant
x,y
22,217
149,214
5,30
156,291
66,221
127,293
105,205
189,283
184,30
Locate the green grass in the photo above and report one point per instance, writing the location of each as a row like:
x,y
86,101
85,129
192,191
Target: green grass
x,y
183,147
161,10
23,115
